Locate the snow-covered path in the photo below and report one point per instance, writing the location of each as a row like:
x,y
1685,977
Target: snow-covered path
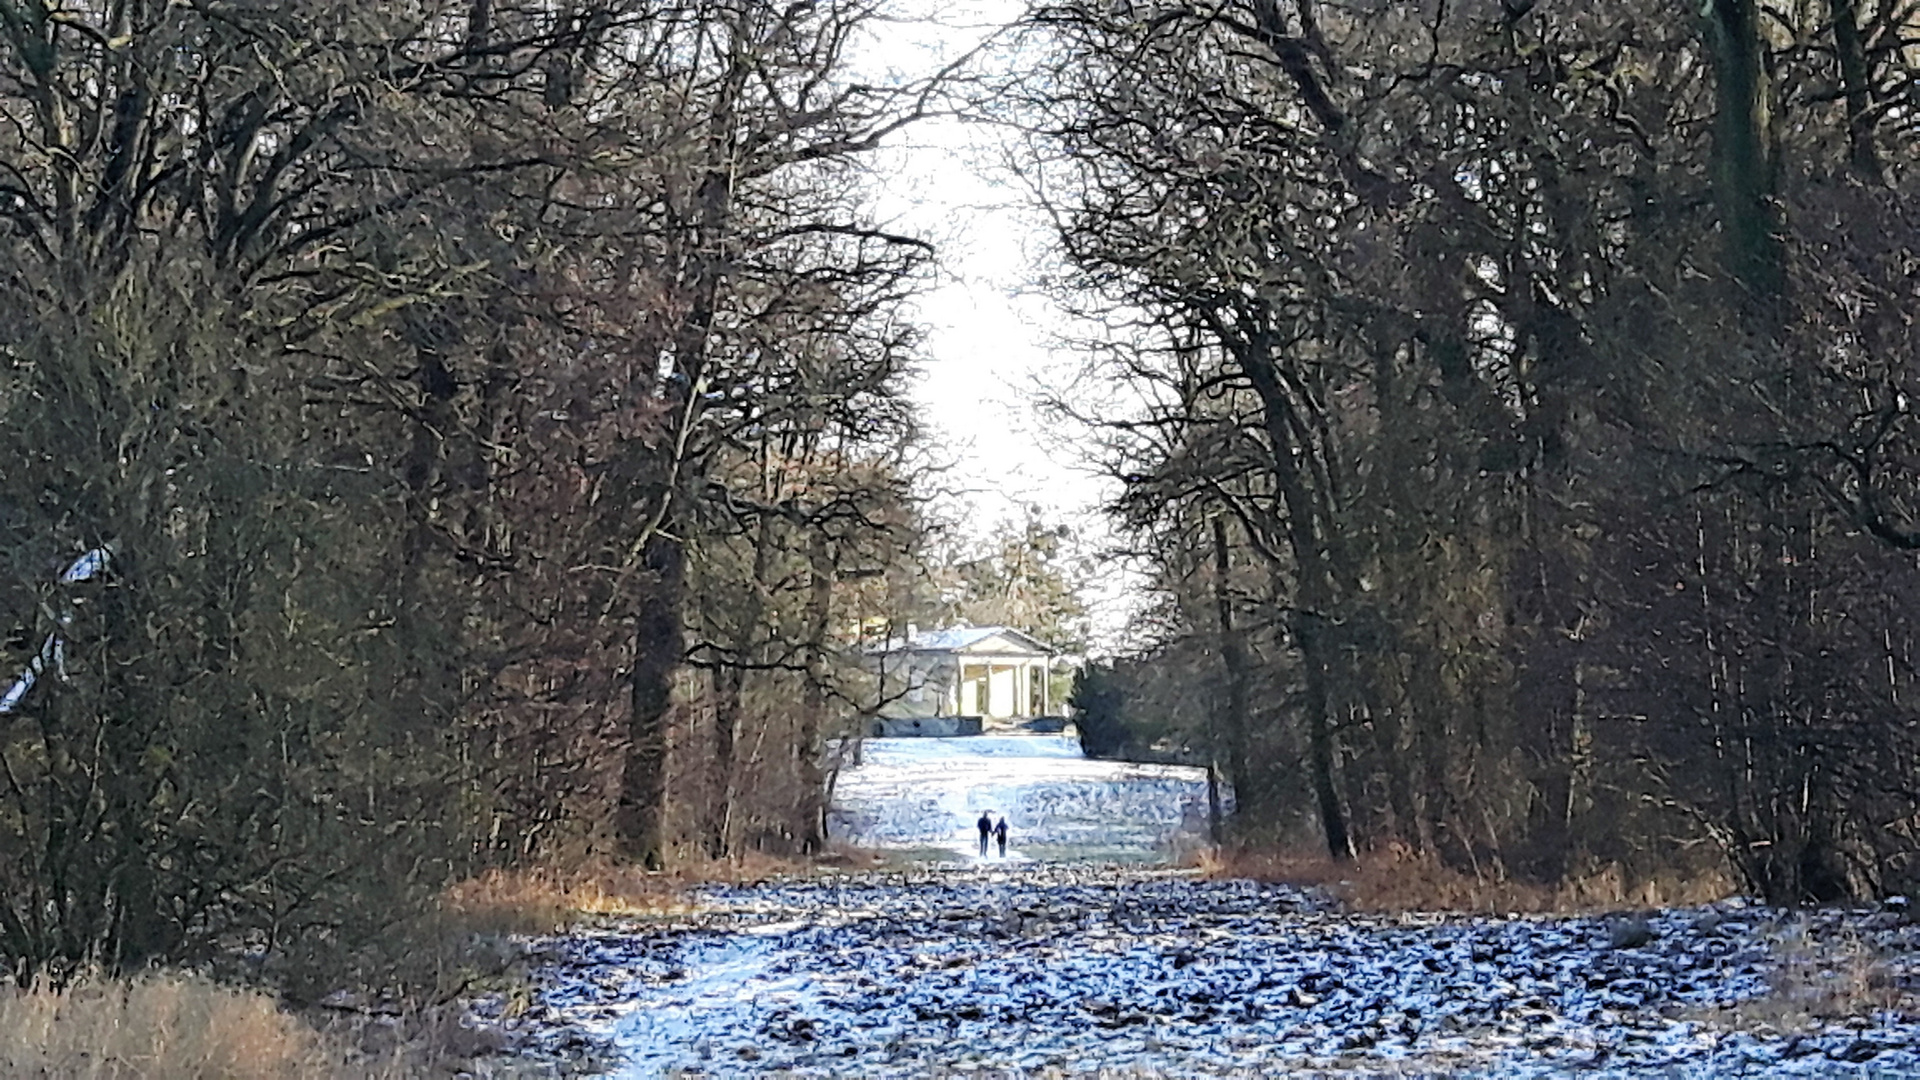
x,y
926,794
1044,967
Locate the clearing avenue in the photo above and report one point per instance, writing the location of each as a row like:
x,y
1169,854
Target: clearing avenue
x,y
1111,539
958,965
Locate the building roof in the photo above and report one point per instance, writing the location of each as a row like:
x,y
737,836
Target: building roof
x,y
960,639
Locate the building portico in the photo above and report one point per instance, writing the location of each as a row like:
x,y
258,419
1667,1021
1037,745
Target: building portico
x,y
992,672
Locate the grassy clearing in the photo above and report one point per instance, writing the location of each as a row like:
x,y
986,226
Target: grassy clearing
x,y
749,867
170,1025
167,1027
919,858
548,900
177,1026
1818,981
1397,880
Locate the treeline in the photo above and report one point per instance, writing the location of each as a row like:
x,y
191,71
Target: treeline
x,y
1523,439
413,368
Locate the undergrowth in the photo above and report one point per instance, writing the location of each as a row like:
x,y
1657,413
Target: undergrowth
x,y
546,900
167,1027
1817,981
1400,880
394,1015
543,900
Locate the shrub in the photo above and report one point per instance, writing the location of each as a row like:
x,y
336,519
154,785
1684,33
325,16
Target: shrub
x,y
164,1027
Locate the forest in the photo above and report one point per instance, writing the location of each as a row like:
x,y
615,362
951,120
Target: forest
x,y
485,416
488,424
1516,420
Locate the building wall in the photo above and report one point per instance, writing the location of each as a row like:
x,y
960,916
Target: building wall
x,y
919,686
895,727
939,684
1005,699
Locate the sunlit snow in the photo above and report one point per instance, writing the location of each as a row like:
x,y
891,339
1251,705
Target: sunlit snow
x,y
927,794
1070,968
1046,963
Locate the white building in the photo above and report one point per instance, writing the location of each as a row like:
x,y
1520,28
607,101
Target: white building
x,y
988,672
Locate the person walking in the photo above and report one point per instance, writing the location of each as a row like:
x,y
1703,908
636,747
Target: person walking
x,y
986,830
1000,834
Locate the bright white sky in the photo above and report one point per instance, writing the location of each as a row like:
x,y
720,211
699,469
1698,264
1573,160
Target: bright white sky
x,y
990,340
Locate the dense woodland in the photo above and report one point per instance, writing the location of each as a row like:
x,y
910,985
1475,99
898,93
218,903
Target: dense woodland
x,y
493,414
491,417
1517,418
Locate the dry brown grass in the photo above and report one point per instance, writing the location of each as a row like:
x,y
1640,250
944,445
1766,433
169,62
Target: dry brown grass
x,y
548,900
1396,880
749,867
1817,982
165,1027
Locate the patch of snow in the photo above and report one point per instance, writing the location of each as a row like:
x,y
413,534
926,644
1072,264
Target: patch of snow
x,y
928,793
1026,967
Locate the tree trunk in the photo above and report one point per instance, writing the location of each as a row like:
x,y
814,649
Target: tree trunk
x,y
1388,715
729,686
659,640
1314,585
812,829
1432,737
1307,629
729,702
1548,854
1230,718
1856,84
659,621
1743,149
1393,762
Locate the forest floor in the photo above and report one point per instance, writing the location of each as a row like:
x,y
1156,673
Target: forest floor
x,y
1032,968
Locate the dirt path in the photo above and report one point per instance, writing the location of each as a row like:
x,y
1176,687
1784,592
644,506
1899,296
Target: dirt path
x,y
1043,967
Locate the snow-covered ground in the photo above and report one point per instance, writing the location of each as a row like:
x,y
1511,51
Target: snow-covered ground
x,y
1072,968
1044,965
927,794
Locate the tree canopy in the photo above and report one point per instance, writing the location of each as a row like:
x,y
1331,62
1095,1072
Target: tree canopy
x,y
1520,430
